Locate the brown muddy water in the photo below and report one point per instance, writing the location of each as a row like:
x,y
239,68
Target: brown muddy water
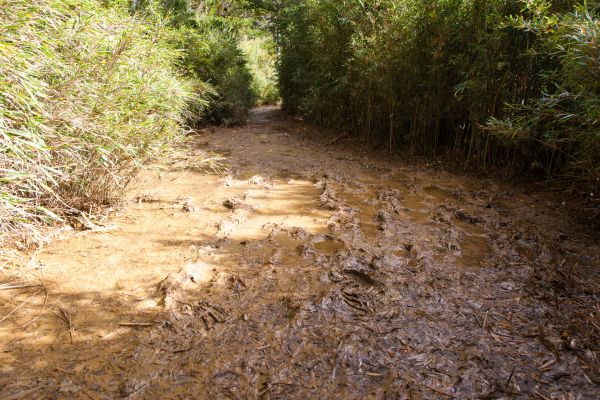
x,y
307,270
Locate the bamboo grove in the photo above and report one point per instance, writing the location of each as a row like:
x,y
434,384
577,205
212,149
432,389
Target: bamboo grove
x,y
504,84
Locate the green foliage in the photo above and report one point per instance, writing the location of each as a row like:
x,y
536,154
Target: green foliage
x,y
214,56
226,68
564,117
210,40
502,82
90,90
86,93
260,52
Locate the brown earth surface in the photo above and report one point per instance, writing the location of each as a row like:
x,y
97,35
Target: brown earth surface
x,y
307,269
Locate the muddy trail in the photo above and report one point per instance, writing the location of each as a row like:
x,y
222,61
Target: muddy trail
x,y
308,268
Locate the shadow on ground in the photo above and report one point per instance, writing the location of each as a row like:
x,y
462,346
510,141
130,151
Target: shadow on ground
x,y
309,270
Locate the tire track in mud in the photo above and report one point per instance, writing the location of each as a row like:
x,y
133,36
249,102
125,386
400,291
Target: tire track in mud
x,y
333,274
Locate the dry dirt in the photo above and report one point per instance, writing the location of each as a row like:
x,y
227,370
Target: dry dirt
x,y
308,269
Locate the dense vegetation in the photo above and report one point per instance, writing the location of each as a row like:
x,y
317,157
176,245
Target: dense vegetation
x,y
90,89
503,83
260,50
212,54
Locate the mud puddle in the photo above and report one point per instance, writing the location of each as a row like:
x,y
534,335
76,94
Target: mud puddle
x,y
307,271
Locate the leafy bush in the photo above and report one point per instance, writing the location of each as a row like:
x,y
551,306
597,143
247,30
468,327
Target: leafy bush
x,y
565,116
260,52
86,93
212,54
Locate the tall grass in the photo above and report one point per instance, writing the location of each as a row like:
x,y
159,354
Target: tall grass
x,y
502,83
87,92
90,90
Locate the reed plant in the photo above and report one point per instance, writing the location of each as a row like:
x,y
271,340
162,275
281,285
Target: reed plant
x,y
87,93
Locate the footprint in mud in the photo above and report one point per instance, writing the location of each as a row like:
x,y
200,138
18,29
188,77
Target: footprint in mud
x,y
289,307
210,313
438,193
474,250
416,206
355,299
222,152
360,276
328,245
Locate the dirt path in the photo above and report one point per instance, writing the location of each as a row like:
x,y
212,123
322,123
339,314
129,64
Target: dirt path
x,y
308,270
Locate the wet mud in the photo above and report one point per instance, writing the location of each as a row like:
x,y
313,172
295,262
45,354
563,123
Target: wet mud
x,y
308,269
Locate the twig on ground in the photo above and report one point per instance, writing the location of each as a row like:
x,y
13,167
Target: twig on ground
x,y
97,229
44,310
65,316
134,324
20,395
510,377
11,287
440,391
19,306
535,392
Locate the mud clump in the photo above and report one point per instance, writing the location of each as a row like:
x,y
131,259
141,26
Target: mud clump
x,y
231,203
463,216
177,284
230,224
261,181
188,205
150,197
327,198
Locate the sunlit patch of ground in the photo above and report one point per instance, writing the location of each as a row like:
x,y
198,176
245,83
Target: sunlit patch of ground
x,y
307,270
